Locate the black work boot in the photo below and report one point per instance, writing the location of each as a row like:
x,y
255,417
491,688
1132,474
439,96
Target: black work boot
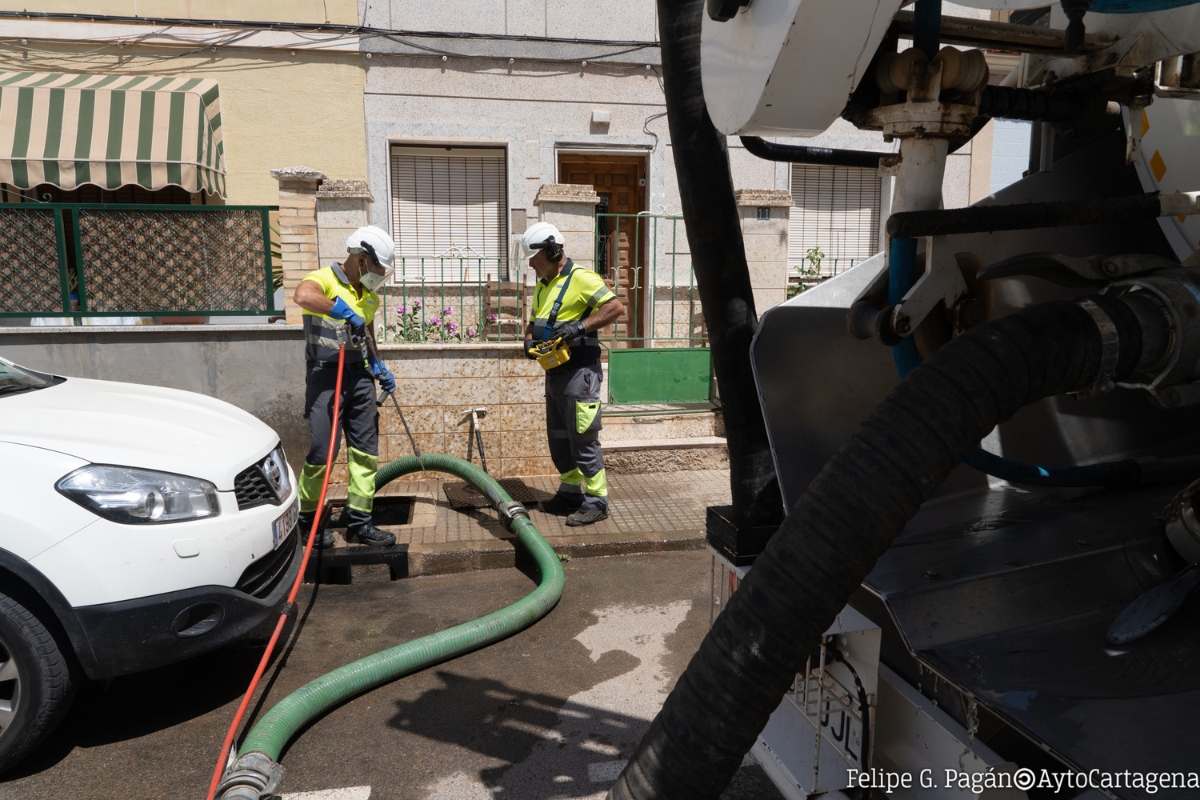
x,y
370,536
324,537
561,503
587,516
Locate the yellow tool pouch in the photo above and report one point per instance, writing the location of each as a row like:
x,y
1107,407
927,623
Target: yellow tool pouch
x,y
555,352
552,354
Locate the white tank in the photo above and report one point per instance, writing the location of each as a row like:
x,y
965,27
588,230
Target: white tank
x,y
787,67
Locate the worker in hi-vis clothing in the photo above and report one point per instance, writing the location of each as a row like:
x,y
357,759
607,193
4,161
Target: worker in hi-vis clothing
x,y
571,303
335,298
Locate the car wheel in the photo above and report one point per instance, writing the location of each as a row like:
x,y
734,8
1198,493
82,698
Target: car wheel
x,y
35,682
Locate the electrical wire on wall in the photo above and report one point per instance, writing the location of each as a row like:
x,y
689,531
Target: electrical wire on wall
x,y
652,117
319,38
101,58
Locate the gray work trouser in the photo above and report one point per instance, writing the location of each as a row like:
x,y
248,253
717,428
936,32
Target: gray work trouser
x,y
573,428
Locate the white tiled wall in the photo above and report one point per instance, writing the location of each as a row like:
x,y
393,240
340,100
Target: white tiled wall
x,y
1010,152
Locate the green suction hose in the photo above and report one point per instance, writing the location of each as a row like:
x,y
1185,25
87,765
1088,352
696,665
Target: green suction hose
x,y
256,773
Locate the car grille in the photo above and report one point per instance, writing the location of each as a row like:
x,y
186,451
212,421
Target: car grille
x,y
251,488
260,578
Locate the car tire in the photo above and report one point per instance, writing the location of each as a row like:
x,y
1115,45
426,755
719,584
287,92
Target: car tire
x,y
35,682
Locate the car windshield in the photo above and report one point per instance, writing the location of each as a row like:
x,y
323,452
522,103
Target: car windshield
x,y
14,379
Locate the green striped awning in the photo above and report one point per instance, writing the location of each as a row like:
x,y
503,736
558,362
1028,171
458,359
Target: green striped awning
x,y
111,131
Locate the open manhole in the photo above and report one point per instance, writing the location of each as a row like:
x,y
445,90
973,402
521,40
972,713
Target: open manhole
x,y
461,494
391,510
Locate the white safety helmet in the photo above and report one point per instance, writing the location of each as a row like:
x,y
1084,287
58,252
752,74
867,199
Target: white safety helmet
x,y
379,247
543,236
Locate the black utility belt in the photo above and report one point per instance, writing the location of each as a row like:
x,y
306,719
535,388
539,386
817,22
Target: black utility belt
x,y
322,364
573,365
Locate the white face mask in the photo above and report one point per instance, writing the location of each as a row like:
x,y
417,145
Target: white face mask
x,y
371,281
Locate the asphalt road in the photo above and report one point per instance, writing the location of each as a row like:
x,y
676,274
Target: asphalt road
x,y
552,712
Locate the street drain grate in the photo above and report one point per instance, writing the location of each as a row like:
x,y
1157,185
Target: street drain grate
x,y
391,510
464,495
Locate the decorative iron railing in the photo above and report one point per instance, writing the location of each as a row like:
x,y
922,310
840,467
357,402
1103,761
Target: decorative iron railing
x,y
97,260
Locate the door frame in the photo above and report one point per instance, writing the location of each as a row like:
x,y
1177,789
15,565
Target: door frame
x,y
642,155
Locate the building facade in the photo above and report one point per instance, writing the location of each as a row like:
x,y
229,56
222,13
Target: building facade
x,y
465,127
284,97
442,122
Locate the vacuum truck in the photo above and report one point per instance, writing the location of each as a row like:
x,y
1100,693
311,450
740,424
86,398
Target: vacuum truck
x,y
985,436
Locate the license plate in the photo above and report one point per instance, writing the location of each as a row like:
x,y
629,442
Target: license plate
x,y
281,527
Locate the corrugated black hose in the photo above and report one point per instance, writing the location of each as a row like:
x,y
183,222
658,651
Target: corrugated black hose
x,y
849,516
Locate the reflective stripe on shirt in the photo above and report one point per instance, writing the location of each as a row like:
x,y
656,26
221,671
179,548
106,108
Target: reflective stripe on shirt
x,y
320,330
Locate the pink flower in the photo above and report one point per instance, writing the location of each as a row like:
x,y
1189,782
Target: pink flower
x,y
472,332
448,310
402,310
493,317
435,321
416,305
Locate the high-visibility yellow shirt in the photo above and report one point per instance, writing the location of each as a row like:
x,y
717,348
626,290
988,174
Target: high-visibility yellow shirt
x,y
320,330
586,292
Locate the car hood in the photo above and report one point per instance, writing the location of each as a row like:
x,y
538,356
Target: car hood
x,y
132,425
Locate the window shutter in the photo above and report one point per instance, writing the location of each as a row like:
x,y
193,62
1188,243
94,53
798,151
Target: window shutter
x,y
837,210
450,203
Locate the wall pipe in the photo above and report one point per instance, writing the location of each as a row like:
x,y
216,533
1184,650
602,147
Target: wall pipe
x,y
803,154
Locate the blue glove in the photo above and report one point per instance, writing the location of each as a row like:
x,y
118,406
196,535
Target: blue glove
x,y
342,310
386,381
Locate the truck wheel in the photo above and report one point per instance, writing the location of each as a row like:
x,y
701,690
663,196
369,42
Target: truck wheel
x,y
35,682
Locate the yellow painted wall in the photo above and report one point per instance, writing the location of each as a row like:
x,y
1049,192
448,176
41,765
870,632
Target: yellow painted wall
x,y
342,12
277,110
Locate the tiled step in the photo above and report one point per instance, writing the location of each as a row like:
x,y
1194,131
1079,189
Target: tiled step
x,y
634,445
618,428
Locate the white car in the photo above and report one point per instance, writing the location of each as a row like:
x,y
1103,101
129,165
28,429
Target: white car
x,y
138,526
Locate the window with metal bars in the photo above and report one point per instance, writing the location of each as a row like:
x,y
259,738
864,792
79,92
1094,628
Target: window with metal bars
x,y
449,203
836,213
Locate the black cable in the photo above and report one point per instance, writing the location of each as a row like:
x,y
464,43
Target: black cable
x,y
321,28
864,708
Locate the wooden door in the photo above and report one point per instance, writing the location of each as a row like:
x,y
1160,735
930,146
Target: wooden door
x,y
621,240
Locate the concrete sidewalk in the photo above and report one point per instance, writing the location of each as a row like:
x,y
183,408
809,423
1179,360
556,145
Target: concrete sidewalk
x,y
647,513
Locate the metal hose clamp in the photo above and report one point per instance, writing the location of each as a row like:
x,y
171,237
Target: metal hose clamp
x,y
254,776
1110,354
510,512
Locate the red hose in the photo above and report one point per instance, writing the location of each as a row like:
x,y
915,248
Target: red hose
x,y
287,607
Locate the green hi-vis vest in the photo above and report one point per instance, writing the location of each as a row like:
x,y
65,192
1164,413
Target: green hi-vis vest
x,y
321,331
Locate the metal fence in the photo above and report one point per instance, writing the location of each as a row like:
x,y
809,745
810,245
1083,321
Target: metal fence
x,y
97,260
646,260
456,299
643,257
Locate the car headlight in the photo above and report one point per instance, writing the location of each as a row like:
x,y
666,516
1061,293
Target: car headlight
x,y
275,468
139,496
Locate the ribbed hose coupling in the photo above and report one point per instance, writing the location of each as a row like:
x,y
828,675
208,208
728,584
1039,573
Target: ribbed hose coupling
x,y
254,776
851,512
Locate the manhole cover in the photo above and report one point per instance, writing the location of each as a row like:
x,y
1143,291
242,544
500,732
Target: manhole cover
x,y
463,495
391,510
